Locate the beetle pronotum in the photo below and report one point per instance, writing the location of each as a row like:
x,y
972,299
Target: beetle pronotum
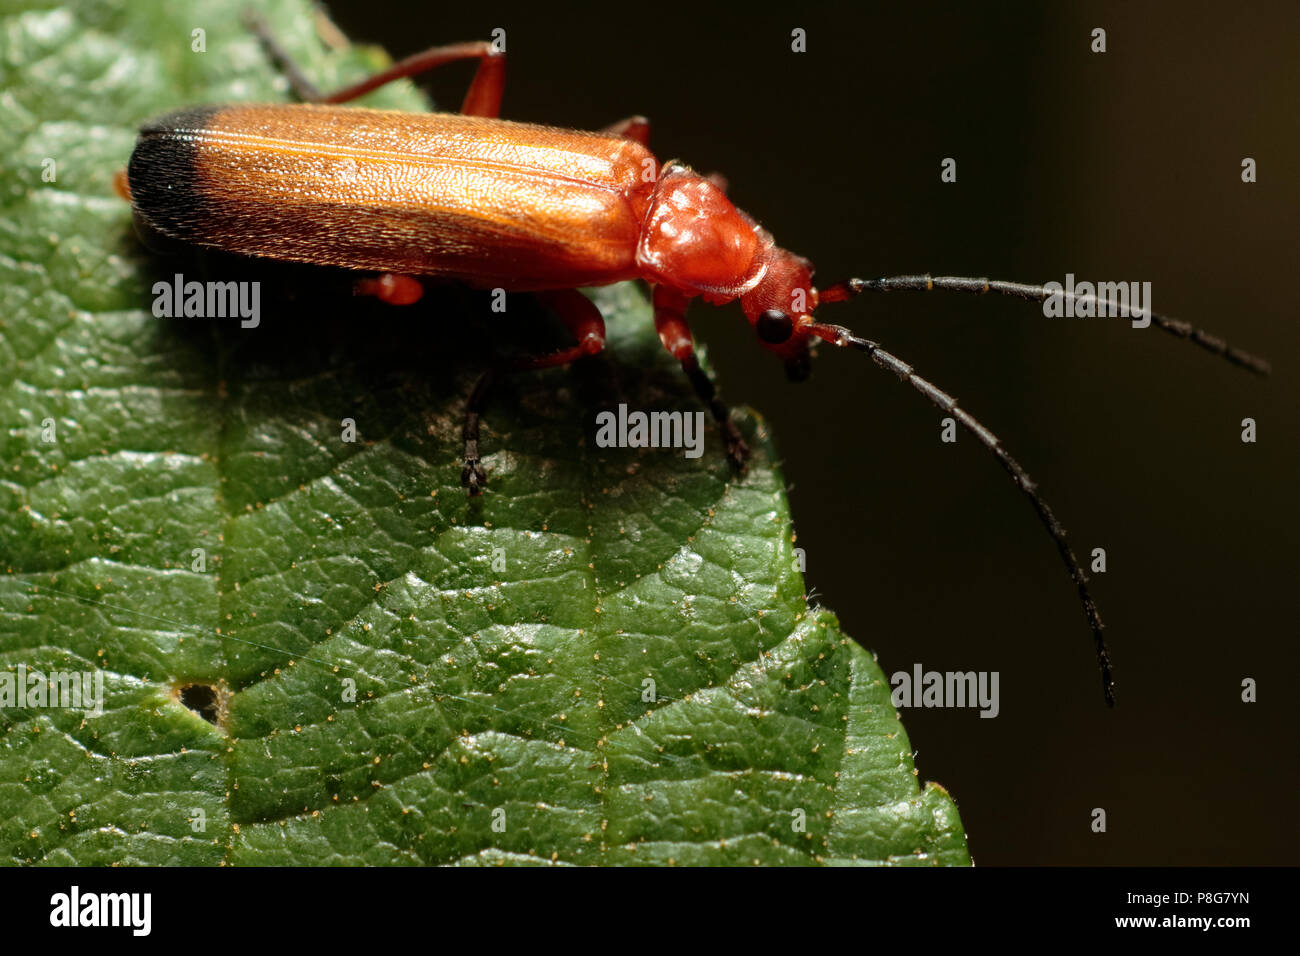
x,y
525,208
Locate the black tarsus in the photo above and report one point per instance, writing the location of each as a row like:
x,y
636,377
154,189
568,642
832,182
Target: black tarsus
x,y
737,450
472,475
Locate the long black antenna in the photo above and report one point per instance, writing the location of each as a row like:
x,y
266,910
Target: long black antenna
x,y
838,335
1038,293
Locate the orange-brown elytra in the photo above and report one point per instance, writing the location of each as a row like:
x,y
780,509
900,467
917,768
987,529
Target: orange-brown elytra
x,y
526,208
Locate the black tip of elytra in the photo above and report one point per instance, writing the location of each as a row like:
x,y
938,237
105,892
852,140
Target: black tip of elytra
x,y
164,176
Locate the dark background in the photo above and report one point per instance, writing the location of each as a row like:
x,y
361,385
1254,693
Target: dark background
x,y
1117,166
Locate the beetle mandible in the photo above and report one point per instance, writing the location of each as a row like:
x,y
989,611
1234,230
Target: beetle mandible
x,y
526,208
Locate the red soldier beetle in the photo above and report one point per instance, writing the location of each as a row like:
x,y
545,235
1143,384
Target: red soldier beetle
x,y
526,208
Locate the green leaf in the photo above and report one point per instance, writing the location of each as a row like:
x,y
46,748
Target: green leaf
x,y
502,650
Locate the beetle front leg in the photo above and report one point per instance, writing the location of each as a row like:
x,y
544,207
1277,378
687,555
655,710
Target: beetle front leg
x,y
675,334
587,326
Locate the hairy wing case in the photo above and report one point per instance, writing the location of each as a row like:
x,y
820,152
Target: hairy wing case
x,y
488,201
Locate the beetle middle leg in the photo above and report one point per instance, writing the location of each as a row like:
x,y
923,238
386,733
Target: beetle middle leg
x,y
482,99
675,334
584,322
390,287
472,475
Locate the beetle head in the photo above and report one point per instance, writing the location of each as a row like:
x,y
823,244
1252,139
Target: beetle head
x,y
780,308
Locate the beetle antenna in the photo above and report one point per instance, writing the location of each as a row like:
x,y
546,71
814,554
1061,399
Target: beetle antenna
x,y
840,336
1038,293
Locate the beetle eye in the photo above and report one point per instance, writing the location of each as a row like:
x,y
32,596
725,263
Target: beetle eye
x,y
774,327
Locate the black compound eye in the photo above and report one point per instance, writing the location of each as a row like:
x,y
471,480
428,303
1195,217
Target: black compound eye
x,y
774,327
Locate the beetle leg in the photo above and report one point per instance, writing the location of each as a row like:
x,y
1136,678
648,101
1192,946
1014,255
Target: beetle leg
x,y
584,322
587,326
675,334
472,475
390,287
634,128
482,99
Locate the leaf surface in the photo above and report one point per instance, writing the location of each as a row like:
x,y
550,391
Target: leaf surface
x,y
316,650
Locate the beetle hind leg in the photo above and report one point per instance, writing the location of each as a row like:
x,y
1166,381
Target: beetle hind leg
x,y
636,128
482,99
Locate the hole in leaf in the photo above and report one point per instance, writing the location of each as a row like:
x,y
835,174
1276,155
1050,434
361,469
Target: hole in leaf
x,y
203,700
